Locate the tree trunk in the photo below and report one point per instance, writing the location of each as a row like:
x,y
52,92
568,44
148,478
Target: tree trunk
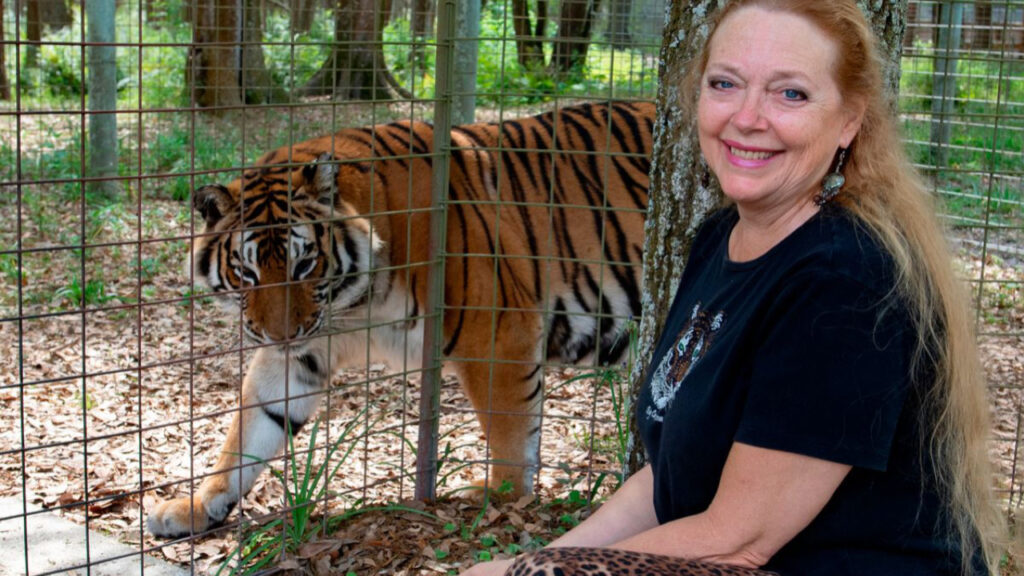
x,y
225,64
5,86
529,35
982,39
575,23
682,190
422,19
33,33
467,25
102,128
302,15
355,69
618,23
258,87
944,80
54,14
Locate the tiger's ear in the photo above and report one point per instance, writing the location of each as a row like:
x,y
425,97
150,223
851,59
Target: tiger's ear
x,y
322,179
212,201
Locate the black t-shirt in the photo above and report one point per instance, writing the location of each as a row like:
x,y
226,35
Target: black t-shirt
x,y
806,350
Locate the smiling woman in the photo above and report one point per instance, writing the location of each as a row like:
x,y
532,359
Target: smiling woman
x,y
770,120
815,404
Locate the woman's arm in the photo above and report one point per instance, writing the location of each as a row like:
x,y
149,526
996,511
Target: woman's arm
x,y
764,499
629,511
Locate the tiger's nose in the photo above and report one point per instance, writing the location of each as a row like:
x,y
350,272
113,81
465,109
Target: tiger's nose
x,y
278,313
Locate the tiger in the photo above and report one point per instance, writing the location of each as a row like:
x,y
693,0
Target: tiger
x,y
322,247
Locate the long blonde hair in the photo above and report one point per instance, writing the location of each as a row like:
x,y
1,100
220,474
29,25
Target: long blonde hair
x,y
889,198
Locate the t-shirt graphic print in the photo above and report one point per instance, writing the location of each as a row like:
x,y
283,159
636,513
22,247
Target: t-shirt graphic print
x,y
693,342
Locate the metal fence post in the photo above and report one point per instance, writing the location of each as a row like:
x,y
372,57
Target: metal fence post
x,y
430,393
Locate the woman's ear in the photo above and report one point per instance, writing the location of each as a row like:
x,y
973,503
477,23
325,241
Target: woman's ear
x,y
854,119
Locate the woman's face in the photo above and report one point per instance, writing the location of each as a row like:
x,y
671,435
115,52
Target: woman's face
x,y
770,115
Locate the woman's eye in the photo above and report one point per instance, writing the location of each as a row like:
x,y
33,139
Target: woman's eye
x,y
793,94
721,84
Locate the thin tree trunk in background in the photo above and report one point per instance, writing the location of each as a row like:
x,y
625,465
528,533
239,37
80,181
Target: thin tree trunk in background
x,y
225,64
302,15
575,24
529,35
618,23
908,39
355,68
5,86
33,33
54,14
982,25
213,62
422,18
258,87
683,192
944,89
467,25
102,80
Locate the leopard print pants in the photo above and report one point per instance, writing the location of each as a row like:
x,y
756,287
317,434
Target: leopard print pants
x,y
609,562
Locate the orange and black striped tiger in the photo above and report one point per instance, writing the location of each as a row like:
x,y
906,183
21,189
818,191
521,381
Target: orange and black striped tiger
x,y
330,236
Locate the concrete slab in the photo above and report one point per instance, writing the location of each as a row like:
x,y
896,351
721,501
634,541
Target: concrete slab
x,y
56,544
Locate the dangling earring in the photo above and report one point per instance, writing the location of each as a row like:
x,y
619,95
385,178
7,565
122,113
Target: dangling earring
x,y
832,183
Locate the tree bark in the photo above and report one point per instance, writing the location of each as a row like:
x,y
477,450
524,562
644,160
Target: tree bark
x,y
102,128
529,35
575,23
302,15
5,86
982,39
422,19
618,23
944,80
54,14
683,191
225,64
355,69
33,33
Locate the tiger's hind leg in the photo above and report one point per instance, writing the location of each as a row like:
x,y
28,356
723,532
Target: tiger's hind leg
x,y
506,388
256,435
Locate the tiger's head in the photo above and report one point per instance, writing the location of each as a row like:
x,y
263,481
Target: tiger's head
x,y
284,248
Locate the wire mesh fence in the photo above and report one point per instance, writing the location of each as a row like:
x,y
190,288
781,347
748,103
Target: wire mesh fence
x,y
122,370
962,105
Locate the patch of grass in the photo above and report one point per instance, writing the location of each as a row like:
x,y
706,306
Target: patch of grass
x,y
91,293
305,487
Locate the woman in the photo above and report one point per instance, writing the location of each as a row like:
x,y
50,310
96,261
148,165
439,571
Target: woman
x,y
815,405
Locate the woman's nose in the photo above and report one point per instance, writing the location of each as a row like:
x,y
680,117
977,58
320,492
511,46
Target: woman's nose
x,y
750,114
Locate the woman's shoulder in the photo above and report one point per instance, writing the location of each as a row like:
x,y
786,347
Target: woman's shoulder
x,y
837,243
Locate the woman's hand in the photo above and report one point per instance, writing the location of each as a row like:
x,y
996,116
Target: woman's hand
x,y
495,568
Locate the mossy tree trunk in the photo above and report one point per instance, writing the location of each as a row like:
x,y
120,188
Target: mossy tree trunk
x,y
225,64
529,33
575,25
355,69
683,191
55,14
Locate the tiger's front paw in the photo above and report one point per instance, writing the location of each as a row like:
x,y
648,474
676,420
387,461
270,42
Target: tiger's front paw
x,y
170,519
498,489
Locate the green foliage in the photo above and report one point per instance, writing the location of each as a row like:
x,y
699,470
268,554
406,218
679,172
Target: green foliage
x,y
292,59
305,486
181,151
91,293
